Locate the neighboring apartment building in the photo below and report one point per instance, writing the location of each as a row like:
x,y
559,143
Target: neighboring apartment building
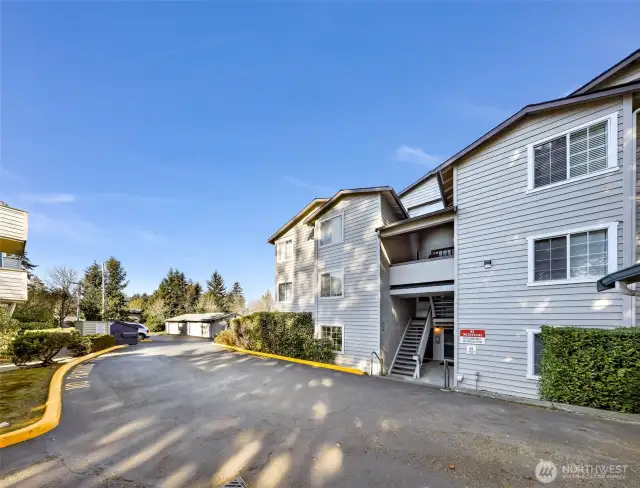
x,y
13,240
464,266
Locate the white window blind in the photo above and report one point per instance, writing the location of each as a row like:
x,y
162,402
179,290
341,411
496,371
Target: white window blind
x,y
579,255
574,154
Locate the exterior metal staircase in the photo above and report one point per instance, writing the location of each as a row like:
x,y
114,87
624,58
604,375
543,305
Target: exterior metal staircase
x,y
413,340
442,309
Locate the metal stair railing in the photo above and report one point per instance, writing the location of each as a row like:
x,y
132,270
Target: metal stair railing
x,y
423,343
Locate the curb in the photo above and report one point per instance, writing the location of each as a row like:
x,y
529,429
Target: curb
x,y
335,367
628,418
53,407
145,340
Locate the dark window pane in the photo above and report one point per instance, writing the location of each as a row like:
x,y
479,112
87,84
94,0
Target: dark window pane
x,y
537,353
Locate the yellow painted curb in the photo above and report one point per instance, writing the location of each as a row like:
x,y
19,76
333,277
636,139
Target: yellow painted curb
x,y
145,340
344,369
53,407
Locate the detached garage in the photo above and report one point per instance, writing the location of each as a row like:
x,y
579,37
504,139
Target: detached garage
x,y
199,324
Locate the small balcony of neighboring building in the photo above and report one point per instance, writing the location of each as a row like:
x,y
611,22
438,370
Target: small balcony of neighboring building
x,y
420,252
13,280
13,230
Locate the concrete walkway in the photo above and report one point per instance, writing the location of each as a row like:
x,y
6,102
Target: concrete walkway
x,y
183,413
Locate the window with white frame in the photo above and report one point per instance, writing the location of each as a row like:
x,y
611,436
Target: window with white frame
x,y
576,153
331,230
285,291
331,284
534,353
577,255
284,250
334,334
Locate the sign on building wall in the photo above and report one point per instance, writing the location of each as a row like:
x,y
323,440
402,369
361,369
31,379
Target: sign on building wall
x,y
472,336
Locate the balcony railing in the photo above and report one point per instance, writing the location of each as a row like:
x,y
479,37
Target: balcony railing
x,y
13,285
13,230
423,271
444,252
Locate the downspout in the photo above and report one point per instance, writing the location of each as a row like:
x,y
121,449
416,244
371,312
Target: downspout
x,y
634,215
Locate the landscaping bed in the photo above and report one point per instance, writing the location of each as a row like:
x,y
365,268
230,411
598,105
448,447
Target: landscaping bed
x,y
23,395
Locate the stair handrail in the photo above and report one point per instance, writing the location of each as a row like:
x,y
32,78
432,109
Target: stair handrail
x,y
406,328
423,343
380,360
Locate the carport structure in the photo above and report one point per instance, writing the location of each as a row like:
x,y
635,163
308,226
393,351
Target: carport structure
x,y
199,324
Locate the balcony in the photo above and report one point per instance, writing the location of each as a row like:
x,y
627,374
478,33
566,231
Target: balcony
x,y
13,230
13,285
437,270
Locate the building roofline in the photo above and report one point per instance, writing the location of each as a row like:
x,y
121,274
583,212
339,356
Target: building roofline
x,y
634,56
295,219
531,109
355,191
435,213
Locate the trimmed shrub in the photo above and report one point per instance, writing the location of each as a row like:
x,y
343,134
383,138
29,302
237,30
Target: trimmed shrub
x,y
101,341
155,324
37,326
81,345
597,368
224,337
284,333
8,329
41,346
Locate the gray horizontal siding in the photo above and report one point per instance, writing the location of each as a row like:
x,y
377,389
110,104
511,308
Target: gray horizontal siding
x,y
426,191
359,310
299,270
626,75
495,216
637,204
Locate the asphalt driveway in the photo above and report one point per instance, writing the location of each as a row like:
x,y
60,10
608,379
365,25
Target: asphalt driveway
x,y
180,413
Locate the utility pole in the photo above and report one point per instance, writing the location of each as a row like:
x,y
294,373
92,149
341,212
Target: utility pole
x,y
104,311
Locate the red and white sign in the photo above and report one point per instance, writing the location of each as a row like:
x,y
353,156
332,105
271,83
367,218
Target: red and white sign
x,y
472,336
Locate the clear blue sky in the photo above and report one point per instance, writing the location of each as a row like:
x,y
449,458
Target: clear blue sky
x,y
183,134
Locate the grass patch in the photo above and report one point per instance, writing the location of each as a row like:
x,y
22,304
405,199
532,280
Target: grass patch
x,y
23,395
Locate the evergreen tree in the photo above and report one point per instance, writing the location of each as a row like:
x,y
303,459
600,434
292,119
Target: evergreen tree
x,y
218,292
115,284
173,292
91,302
193,292
236,299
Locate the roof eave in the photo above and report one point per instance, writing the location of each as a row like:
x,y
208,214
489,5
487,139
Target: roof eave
x,y
286,227
620,65
528,110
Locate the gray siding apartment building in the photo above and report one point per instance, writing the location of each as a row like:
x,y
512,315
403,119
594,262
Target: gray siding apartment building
x,y
450,280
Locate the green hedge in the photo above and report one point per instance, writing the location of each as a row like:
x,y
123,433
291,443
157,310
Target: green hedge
x,y
38,345
37,326
81,345
284,333
591,367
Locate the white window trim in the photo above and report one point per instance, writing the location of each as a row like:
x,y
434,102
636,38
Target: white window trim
x,y
334,325
612,253
612,156
282,282
283,240
321,272
531,354
319,230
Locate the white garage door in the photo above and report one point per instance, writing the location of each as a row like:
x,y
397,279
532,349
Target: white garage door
x,y
172,328
198,329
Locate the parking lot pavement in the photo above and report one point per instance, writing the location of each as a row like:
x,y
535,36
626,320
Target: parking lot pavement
x,y
177,412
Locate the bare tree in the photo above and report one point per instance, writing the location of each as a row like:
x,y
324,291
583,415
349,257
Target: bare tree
x,y
61,283
207,304
265,304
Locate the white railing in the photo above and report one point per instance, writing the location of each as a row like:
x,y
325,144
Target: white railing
x,y
425,270
406,328
423,343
